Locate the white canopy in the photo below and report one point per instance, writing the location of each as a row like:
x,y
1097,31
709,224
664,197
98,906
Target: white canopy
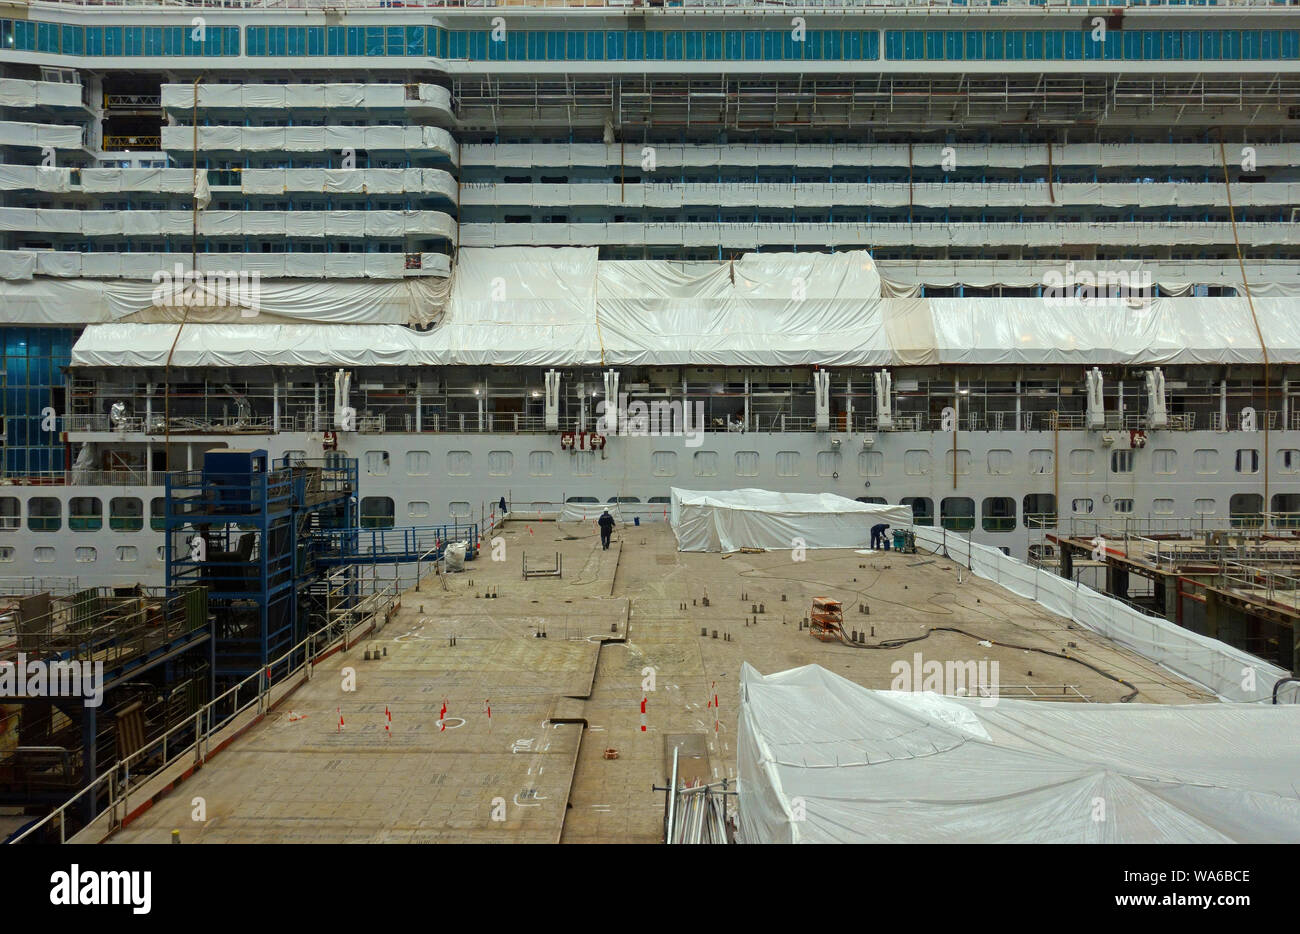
x,y
726,520
864,766
523,306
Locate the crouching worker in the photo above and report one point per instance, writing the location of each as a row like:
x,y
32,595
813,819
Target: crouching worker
x,y
606,523
878,538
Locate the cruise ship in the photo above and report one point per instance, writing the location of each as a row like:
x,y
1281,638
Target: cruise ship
x,y
1017,265
280,276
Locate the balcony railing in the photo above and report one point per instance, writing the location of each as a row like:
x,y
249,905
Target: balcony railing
x,y
25,586
179,423
1239,421
132,101
764,417
81,478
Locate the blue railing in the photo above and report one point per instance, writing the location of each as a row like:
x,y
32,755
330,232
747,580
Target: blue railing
x,y
392,545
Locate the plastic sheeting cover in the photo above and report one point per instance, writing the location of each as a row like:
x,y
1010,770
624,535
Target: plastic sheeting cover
x,y
894,767
727,520
523,306
49,301
1208,662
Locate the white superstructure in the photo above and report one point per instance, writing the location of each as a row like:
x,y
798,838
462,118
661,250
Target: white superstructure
x,y
986,260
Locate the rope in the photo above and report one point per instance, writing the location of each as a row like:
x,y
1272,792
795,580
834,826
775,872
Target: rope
x,y
1250,302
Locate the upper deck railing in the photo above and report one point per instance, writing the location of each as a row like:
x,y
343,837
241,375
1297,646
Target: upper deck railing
x,y
106,624
665,5
292,481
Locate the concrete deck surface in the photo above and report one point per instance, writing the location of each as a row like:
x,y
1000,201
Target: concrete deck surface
x,y
537,770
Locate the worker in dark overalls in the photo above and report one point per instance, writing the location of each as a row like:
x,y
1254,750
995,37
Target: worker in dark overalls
x,y
878,538
606,523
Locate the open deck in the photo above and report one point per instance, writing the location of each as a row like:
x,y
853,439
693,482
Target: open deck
x,y
564,664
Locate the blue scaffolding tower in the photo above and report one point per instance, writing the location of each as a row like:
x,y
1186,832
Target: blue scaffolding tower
x,y
242,528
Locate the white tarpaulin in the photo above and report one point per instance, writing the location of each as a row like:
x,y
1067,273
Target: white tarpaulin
x,y
999,155
314,96
727,520
823,760
47,300
1230,673
520,306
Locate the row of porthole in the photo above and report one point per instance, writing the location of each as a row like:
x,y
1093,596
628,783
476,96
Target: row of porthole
x,y
82,554
501,463
377,510
998,513
870,463
85,513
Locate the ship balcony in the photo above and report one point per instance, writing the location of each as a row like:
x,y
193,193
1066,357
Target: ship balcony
x,y
317,99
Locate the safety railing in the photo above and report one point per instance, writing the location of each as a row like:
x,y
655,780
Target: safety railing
x,y
307,421
907,423
406,543
194,493
229,423
193,739
187,424
320,475
514,422
132,101
1169,543
25,586
1248,421
80,478
100,625
85,422
1258,580
139,143
1173,527
1065,422
760,419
